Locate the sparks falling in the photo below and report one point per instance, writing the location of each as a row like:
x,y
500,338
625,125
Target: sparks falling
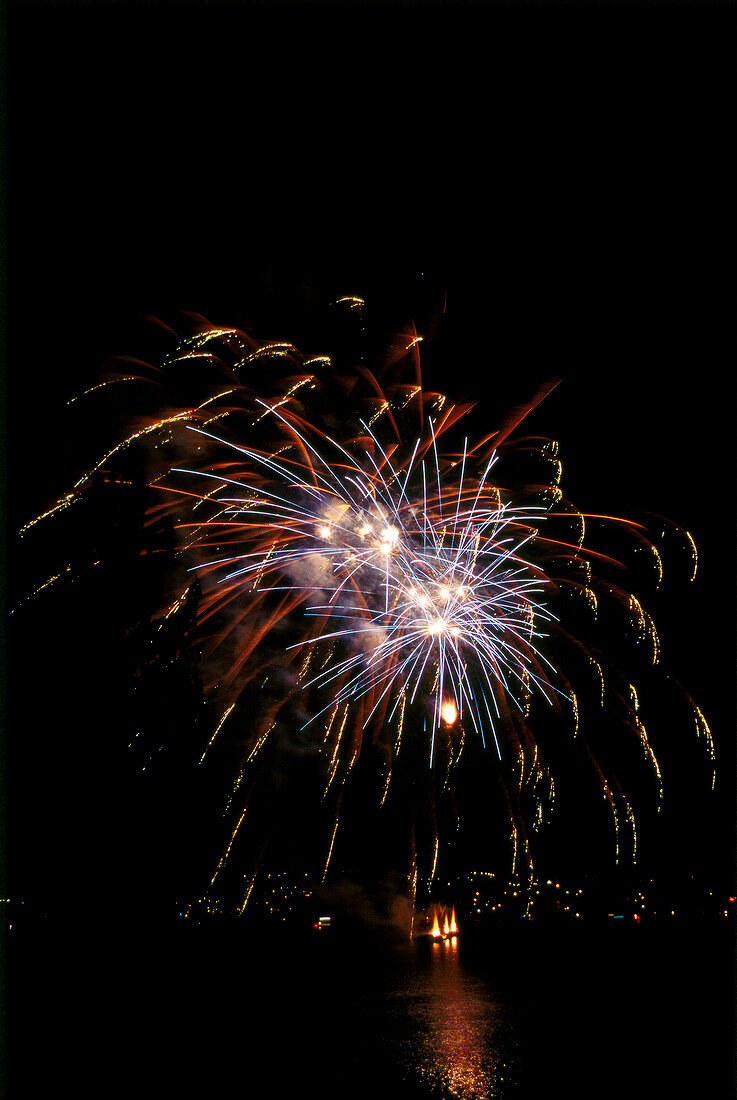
x,y
367,576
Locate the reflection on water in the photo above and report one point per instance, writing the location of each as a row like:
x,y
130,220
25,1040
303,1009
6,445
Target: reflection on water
x,y
458,1040
587,1014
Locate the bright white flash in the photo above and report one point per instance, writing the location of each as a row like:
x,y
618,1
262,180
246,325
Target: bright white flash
x,y
455,557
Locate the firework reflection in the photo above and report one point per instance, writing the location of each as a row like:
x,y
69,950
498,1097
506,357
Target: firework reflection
x,y
461,1046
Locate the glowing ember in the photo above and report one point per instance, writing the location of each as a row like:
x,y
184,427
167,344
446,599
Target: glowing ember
x,y
449,712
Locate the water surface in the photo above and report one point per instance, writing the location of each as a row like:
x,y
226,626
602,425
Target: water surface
x,y
519,1013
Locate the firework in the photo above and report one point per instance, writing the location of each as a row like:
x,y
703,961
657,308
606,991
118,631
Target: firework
x,y
372,580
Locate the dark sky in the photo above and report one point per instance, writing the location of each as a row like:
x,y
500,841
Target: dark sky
x,y
557,174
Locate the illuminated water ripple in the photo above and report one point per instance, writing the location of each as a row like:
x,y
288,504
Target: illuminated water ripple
x,y
457,1038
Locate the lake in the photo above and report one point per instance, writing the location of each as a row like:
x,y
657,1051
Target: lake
x,y
522,1011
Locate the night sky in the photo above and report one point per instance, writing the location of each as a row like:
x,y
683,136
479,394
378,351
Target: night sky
x,y
555,176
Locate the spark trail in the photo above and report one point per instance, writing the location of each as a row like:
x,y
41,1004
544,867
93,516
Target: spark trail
x,y
369,580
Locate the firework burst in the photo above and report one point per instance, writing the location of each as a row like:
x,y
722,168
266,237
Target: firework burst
x,y
371,580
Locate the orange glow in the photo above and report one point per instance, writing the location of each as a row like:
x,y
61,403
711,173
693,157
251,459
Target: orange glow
x,y
444,927
449,712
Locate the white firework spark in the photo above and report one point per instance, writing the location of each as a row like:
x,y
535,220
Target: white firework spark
x,y
420,589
